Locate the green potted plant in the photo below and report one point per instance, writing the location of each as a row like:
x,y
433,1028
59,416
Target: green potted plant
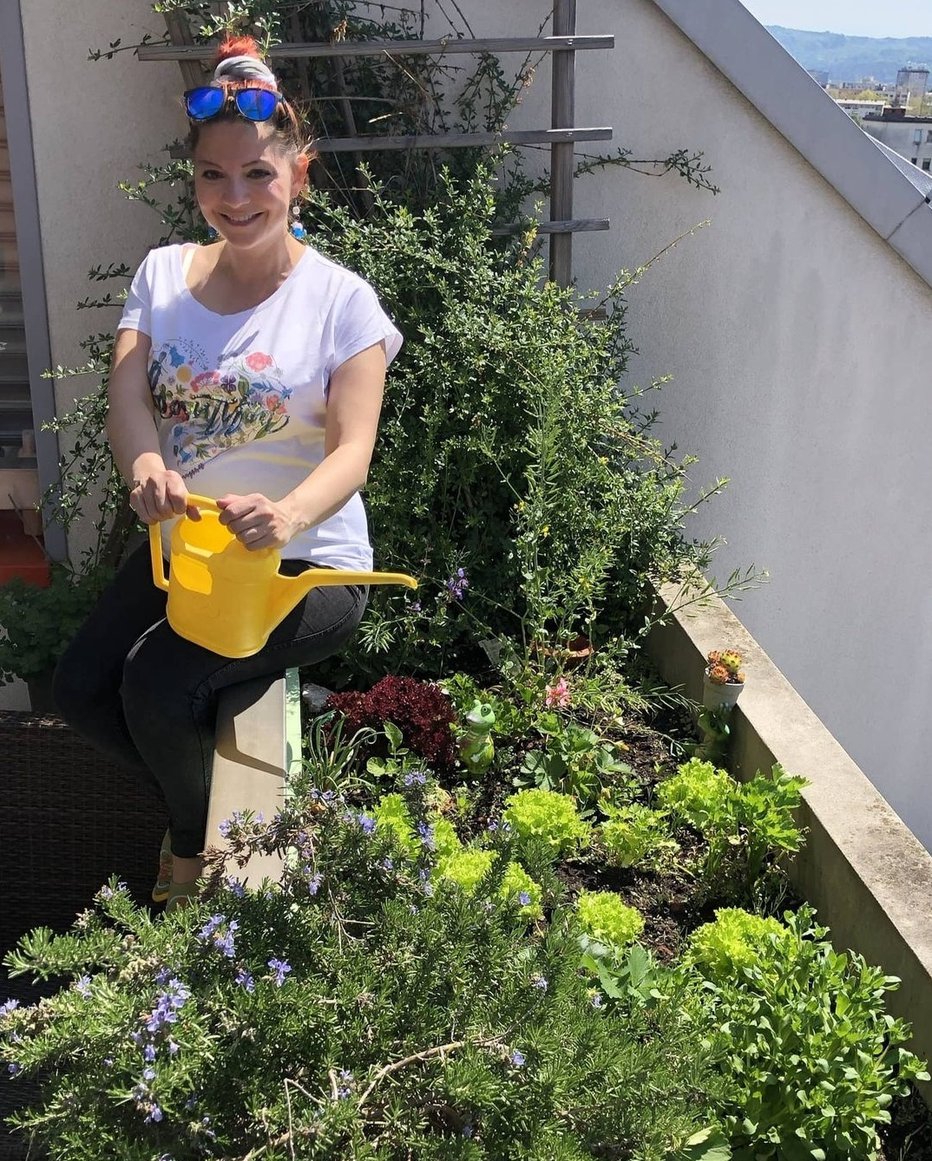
x,y
724,679
38,623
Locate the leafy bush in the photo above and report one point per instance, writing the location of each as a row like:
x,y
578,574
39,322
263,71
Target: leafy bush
x,y
546,817
356,1011
504,425
811,1059
38,623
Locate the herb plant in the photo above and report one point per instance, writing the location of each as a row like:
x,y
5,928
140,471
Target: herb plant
x,y
361,1009
811,1059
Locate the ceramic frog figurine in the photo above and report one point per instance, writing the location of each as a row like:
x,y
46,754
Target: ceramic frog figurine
x,y
476,747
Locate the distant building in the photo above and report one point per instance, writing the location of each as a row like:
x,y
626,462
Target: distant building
x,y
858,109
910,137
911,84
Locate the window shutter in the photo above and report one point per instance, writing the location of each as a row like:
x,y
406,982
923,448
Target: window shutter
x,y
15,406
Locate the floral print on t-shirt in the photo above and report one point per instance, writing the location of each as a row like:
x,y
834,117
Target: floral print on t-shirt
x,y
215,408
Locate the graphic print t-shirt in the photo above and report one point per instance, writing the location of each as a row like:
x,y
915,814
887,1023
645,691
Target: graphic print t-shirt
x,y
242,398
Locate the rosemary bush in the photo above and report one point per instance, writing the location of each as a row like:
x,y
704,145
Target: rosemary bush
x,y
361,1010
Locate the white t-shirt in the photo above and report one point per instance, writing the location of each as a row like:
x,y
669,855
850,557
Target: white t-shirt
x,y
241,398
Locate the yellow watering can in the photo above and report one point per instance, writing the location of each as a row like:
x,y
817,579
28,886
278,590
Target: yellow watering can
x,y
227,598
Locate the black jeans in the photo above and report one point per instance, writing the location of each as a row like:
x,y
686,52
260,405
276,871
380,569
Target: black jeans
x,y
147,698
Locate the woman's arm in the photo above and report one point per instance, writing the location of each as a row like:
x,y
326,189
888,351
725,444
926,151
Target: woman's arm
x,y
353,407
155,492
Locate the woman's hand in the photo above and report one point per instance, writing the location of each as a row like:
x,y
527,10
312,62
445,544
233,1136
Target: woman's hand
x,y
160,495
258,522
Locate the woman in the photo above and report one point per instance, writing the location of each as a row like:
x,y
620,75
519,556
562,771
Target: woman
x,y
250,370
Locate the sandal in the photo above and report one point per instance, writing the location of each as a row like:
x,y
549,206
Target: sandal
x,y
164,880
182,895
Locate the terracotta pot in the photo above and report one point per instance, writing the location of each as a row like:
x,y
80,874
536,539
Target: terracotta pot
x,y
573,653
718,696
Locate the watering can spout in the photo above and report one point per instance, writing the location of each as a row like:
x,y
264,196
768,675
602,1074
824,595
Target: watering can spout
x,y
287,591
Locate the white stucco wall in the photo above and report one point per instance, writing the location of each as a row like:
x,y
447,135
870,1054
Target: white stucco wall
x,y
820,421
92,124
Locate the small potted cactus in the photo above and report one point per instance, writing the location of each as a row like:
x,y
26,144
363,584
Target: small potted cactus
x,y
724,679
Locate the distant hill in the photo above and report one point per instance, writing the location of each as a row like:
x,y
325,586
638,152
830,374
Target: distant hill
x,y
849,58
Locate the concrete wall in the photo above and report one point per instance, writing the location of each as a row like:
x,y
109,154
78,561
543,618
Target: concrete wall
x,y
820,422
92,124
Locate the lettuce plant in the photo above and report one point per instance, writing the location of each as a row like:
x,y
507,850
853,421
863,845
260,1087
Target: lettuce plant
x,y
547,817
604,917
631,833
811,1058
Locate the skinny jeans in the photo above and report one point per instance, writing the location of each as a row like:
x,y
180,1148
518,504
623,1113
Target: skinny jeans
x,y
147,698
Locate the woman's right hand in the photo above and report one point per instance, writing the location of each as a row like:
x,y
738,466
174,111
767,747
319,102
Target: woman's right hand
x,y
160,495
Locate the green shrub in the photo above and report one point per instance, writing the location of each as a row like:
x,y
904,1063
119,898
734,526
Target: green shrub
x,y
811,1058
359,1010
503,425
39,623
546,817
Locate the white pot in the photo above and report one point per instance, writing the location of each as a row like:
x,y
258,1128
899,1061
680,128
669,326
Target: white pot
x,y
717,696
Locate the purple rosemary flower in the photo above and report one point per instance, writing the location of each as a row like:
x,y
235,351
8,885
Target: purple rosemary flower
x,y
167,1006
467,1129
458,584
387,864
415,778
539,982
148,1053
14,1068
148,1074
235,886
524,898
518,1059
7,1007
314,881
597,1000
245,980
366,823
281,969
154,1113
223,941
82,986
427,835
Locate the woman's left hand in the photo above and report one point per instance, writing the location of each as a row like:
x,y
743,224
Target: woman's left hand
x,y
258,522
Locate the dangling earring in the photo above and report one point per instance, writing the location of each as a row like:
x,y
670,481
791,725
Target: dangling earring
x,y
212,234
297,227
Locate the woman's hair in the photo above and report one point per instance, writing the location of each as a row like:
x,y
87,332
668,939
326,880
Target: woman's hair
x,y
239,64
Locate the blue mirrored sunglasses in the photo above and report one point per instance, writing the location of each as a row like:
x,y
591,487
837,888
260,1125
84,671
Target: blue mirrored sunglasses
x,y
254,104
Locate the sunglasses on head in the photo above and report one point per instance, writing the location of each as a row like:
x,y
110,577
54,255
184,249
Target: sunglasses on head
x,y
207,101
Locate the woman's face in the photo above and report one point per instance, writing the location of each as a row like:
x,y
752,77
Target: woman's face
x,y
245,181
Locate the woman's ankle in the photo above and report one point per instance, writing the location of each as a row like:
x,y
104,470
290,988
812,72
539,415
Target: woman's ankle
x,y
186,870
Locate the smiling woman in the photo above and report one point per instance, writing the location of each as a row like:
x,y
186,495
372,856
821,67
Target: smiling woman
x,y
256,365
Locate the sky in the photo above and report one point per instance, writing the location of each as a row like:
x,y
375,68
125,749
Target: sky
x,y
852,17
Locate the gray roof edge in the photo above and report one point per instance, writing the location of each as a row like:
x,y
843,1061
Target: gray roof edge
x,y
783,92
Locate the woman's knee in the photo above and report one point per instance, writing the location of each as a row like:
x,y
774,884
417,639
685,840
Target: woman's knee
x,y
76,689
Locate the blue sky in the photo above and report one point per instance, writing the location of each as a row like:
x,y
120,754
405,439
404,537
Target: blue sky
x,y
853,17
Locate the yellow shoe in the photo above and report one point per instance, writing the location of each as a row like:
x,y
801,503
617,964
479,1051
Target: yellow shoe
x,y
182,895
164,880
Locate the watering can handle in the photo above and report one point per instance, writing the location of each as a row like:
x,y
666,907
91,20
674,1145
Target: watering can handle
x,y
155,540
